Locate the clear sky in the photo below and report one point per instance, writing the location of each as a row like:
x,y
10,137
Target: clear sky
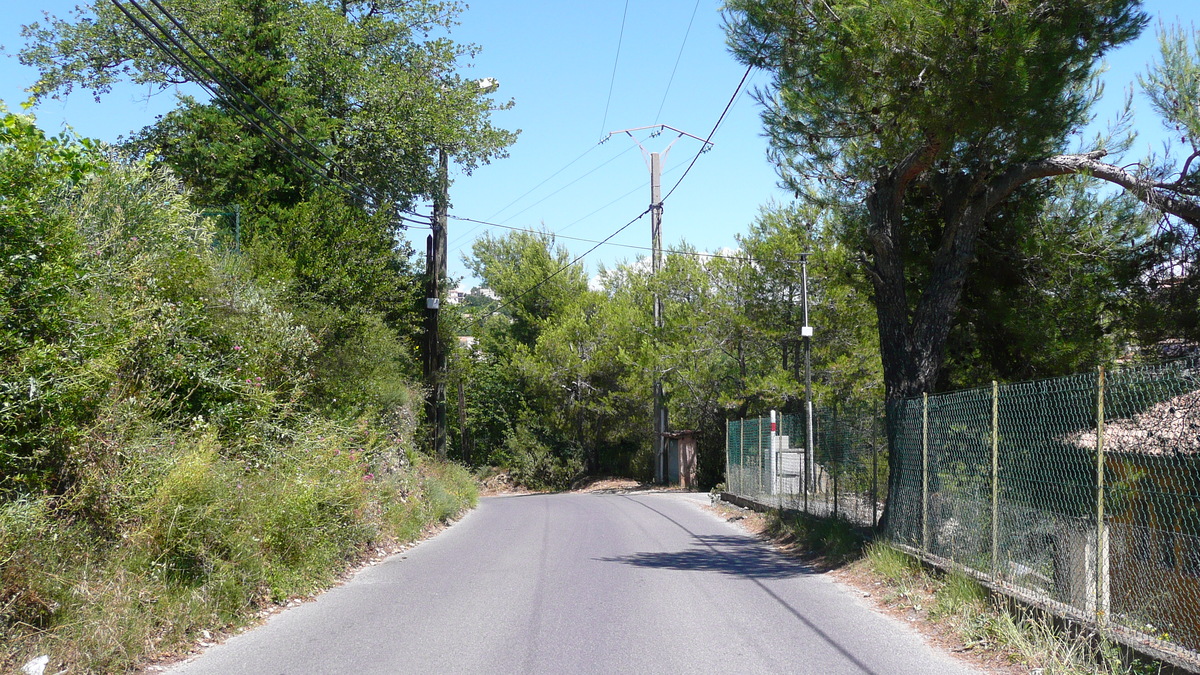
x,y
556,59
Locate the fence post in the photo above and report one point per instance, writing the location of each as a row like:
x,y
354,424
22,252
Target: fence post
x,y
805,465
759,449
1101,547
838,447
741,463
925,473
875,471
995,479
728,477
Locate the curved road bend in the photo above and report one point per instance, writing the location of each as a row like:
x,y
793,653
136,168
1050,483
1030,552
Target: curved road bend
x,y
583,583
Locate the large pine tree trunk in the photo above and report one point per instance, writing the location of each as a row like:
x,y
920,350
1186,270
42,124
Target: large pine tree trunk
x,y
913,336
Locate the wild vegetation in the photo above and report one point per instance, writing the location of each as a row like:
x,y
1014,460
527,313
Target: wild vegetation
x,y
202,413
955,237
988,629
210,396
171,456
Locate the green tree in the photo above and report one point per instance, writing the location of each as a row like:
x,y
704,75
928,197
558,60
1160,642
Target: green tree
x,y
326,123
1168,303
924,121
361,79
536,289
41,266
1054,290
533,279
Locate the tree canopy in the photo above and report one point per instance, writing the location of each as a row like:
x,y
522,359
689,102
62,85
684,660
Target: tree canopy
x,y
928,124
375,87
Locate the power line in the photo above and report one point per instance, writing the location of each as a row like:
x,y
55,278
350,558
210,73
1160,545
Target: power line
x,y
220,91
720,119
601,166
481,223
694,254
547,179
616,60
707,142
468,233
579,220
678,56
558,271
233,76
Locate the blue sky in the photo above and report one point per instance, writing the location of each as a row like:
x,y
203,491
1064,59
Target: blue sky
x,y
557,61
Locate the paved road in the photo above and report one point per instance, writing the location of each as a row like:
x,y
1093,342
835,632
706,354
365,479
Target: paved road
x,y
583,583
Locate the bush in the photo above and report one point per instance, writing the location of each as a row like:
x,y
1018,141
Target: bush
x,y
171,453
534,465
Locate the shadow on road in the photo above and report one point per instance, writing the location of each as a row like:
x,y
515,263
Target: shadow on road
x,y
724,554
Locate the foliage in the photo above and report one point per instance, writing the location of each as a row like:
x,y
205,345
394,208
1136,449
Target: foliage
x,y
578,365
535,465
206,542
555,357
40,261
363,81
363,95
1053,292
175,449
833,541
928,127
1167,303
1030,637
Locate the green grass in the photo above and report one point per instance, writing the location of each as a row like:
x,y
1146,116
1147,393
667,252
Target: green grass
x,y
834,541
1028,637
202,544
956,600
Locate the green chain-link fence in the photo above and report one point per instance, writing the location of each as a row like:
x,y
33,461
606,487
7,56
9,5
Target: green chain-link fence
x,y
843,475
1079,493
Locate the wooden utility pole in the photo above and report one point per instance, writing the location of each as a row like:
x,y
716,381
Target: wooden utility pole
x,y
434,357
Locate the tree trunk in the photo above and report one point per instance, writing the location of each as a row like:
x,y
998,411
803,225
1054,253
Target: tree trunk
x,y
912,339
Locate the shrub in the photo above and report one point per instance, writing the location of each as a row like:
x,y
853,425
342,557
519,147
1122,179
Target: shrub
x,y
534,465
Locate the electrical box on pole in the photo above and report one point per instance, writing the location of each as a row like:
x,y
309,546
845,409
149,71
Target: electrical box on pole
x,y
806,332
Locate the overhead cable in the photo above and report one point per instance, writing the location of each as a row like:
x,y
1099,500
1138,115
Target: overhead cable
x,y
694,254
558,271
716,126
219,89
678,56
616,60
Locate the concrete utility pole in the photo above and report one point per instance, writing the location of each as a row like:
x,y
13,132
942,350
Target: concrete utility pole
x,y
434,360
654,162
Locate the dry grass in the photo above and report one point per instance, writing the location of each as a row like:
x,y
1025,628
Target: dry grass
x,y
952,610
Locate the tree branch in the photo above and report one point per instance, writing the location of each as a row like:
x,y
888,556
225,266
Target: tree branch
x,y
1162,197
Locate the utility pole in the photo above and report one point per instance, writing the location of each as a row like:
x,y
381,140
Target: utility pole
x,y
806,332
654,162
660,408
434,360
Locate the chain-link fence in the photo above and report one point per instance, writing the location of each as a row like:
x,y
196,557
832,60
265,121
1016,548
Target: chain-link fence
x,y
842,475
1079,493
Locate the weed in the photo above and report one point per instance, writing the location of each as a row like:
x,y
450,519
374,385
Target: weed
x,y
209,542
1029,637
890,563
958,595
835,541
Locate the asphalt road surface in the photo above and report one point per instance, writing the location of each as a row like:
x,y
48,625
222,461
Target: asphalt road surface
x,y
583,583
